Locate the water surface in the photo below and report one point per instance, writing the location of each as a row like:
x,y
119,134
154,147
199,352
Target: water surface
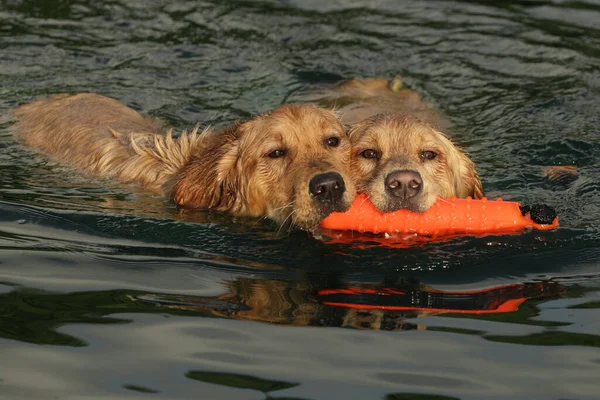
x,y
107,292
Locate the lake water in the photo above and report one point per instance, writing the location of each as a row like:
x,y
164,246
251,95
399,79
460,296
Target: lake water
x,y
109,293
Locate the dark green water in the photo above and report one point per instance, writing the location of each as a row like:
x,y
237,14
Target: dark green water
x,y
105,292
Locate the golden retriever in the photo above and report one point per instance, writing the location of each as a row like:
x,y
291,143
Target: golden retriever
x,y
290,164
400,158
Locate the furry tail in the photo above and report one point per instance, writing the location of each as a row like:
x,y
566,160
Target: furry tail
x,y
103,137
156,159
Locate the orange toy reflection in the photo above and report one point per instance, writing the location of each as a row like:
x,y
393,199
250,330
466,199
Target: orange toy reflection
x,y
363,306
500,299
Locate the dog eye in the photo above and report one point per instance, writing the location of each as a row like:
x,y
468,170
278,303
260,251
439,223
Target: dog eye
x,y
333,141
428,155
369,153
277,153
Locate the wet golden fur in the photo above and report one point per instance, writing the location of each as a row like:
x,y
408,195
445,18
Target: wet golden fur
x,y
297,303
399,126
227,170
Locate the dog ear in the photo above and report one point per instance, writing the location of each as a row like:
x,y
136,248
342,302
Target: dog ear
x,y
357,130
467,181
213,178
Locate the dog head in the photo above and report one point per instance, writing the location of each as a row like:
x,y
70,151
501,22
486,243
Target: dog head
x,y
290,164
401,162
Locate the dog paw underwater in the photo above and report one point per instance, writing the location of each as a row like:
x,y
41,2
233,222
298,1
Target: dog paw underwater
x,y
290,165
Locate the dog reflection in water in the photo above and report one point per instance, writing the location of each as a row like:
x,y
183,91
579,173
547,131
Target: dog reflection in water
x,y
363,306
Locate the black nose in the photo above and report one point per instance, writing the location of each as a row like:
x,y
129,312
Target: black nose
x,y
404,183
328,187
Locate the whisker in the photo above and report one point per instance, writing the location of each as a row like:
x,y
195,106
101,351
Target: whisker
x,y
284,221
291,227
291,203
265,217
